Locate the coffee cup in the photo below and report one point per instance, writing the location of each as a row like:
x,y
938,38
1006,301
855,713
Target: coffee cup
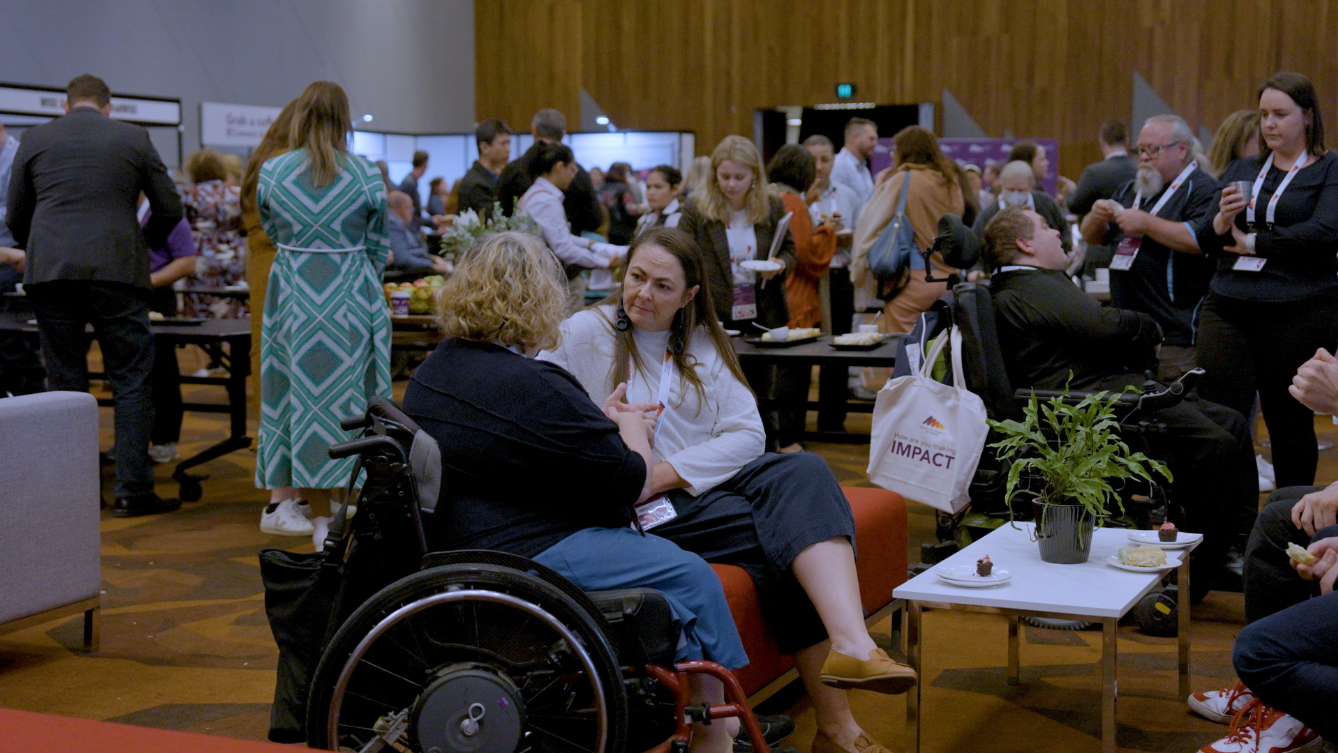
x,y
780,334
1245,187
868,328
399,302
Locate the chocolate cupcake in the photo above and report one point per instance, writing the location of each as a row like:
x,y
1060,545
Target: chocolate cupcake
x,y
1167,532
984,567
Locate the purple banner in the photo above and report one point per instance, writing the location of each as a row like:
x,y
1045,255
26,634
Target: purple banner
x,y
978,152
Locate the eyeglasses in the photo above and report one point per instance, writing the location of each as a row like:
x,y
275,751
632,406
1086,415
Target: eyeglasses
x,y
1153,151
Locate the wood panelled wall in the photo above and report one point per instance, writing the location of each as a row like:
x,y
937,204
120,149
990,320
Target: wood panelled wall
x,y
1034,67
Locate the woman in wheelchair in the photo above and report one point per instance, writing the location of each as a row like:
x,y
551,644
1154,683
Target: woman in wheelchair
x,y
783,518
532,467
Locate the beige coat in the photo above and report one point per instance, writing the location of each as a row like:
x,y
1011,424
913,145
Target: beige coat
x,y
929,199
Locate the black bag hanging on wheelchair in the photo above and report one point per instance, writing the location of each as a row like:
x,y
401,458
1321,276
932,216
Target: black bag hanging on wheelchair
x,y
308,596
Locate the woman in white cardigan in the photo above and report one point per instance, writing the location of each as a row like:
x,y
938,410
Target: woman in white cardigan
x,y
782,518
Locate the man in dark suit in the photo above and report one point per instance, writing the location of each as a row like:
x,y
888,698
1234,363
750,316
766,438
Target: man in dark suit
x,y
1100,180
580,202
72,201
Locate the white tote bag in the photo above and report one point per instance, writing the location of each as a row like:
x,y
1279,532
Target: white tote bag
x,y
928,436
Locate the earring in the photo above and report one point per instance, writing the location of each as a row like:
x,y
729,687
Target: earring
x,y
622,324
680,336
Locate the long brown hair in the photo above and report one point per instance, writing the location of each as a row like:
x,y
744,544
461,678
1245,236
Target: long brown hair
x,y
274,143
1302,92
699,312
914,145
321,126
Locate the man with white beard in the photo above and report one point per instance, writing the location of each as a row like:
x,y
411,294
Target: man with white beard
x,y
1158,268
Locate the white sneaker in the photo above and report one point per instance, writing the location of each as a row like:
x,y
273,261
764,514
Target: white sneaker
x,y
285,520
1263,729
303,507
1221,706
163,453
1265,469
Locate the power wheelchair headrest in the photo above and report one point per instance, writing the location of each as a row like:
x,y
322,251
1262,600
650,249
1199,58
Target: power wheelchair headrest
x,y
958,243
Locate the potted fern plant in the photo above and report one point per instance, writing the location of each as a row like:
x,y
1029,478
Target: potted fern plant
x,y
1070,452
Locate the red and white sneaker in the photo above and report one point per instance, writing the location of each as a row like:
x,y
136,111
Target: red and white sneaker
x,y
1221,706
1259,728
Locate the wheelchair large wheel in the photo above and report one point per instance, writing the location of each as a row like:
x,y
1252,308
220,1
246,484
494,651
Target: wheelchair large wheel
x,y
472,657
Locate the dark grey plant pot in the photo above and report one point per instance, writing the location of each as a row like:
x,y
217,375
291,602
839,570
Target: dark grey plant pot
x,y
1064,532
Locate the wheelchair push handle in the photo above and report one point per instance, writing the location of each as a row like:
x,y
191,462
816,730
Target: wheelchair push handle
x,y
354,423
363,445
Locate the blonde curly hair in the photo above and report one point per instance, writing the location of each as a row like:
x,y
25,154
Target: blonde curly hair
x,y
509,289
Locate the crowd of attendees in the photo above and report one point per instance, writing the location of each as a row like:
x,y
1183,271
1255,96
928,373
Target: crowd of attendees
x,y
1225,260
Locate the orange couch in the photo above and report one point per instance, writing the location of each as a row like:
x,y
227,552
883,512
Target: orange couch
x,y
881,540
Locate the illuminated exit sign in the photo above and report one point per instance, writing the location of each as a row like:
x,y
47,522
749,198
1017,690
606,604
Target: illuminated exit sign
x,y
845,91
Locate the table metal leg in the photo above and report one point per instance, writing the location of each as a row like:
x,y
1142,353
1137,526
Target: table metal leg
x,y
1109,684
913,614
1013,659
1182,619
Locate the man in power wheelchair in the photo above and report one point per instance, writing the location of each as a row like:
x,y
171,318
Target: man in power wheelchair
x,y
1052,335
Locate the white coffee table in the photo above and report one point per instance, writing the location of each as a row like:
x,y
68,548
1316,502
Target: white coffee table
x,y
1093,591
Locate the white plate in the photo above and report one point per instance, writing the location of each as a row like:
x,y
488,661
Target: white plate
x,y
1172,563
1150,537
761,265
732,332
965,575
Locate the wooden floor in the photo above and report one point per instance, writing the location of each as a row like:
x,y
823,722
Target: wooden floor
x,y
185,643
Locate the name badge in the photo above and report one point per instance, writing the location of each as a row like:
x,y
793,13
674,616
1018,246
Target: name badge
x,y
655,511
1249,264
745,303
1125,253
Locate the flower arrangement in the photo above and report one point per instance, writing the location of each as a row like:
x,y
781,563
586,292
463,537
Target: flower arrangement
x,y
469,227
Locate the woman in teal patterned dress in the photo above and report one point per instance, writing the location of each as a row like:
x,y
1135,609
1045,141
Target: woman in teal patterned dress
x,y
325,341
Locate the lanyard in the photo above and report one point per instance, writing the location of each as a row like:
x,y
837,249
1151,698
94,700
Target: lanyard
x,y
1272,209
749,253
666,384
1168,193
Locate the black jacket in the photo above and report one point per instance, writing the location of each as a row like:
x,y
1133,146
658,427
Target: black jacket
x,y
1099,181
72,200
508,426
581,203
479,189
1048,328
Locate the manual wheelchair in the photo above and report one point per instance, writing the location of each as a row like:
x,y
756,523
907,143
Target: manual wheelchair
x,y
482,650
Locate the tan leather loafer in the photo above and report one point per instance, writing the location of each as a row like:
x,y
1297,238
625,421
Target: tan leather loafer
x,y
878,673
863,744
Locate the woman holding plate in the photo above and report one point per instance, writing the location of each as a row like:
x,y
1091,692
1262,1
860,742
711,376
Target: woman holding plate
x,y
735,221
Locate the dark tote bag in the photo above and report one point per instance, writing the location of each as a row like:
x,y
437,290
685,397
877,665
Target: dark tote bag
x,y
300,593
305,602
